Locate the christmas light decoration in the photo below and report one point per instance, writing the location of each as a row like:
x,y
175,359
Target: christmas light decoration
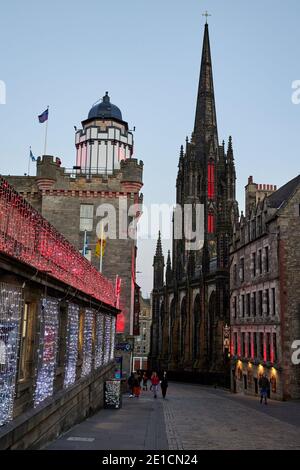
x,y
28,237
112,395
113,337
99,341
107,339
11,305
47,349
87,343
72,344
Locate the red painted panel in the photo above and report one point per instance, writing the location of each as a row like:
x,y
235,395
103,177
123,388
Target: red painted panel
x,y
211,181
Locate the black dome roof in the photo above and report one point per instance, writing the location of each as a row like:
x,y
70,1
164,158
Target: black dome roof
x,y
105,110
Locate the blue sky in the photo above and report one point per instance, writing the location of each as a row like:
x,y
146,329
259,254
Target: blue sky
x,y
147,55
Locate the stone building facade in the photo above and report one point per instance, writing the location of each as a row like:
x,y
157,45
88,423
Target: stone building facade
x,y
190,307
265,286
57,329
104,185
142,342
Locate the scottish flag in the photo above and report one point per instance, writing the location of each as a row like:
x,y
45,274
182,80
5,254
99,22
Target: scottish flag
x,y
44,116
33,159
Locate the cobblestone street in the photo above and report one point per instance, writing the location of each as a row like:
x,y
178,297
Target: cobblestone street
x,y
192,417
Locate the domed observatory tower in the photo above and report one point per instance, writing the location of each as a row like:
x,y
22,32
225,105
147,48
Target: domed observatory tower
x,y
104,140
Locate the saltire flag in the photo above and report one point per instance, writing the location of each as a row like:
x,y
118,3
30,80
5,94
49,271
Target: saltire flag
x,y
85,246
33,159
100,247
44,116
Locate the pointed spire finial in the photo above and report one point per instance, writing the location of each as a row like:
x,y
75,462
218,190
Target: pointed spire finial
x,y
207,15
181,151
158,246
230,150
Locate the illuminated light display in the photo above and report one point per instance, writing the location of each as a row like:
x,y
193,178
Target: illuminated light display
x,y
49,311
113,337
121,322
87,343
107,338
99,355
211,180
11,305
27,236
211,223
72,344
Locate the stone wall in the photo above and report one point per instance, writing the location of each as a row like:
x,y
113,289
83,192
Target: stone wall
x,y
37,427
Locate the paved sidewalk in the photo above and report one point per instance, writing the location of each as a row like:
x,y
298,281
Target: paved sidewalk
x,y
192,417
138,425
204,418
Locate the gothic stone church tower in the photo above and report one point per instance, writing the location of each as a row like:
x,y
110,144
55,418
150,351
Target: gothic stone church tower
x,y
191,300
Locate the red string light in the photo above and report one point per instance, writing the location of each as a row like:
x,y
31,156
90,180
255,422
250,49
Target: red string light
x,y
28,237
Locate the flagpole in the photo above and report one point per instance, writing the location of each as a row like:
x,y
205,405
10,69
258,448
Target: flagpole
x,y
46,132
84,243
29,160
101,248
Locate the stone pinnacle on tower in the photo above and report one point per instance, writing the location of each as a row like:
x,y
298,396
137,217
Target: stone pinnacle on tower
x,y
158,265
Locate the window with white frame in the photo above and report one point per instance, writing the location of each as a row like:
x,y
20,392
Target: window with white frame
x,y
86,217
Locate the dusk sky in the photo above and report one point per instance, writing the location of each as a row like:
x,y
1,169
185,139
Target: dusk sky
x,y
147,55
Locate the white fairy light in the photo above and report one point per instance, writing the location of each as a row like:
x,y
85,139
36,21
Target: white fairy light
x,y
72,345
107,338
113,337
11,305
87,343
99,341
47,350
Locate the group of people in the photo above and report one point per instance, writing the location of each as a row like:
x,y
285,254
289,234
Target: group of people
x,y
141,378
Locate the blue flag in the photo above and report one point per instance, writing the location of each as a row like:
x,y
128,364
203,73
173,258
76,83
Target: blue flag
x,y
33,159
44,116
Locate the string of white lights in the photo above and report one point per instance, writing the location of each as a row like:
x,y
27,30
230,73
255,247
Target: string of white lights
x,y
11,305
99,341
47,349
72,344
113,337
107,338
87,343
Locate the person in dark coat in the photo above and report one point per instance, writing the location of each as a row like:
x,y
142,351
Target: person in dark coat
x,y
130,382
164,385
136,386
264,388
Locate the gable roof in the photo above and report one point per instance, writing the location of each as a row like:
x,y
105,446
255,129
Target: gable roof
x,y
276,199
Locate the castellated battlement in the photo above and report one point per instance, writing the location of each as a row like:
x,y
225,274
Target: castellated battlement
x,y
255,192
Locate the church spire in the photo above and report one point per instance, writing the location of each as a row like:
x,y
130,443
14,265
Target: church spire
x,y
158,265
158,246
205,120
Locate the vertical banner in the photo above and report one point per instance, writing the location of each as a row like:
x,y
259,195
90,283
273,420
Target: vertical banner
x,y
118,367
136,311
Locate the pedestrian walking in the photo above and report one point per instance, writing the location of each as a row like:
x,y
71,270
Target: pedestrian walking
x,y
154,382
264,388
136,386
130,382
164,385
145,381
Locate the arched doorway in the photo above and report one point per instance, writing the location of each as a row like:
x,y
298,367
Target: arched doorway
x,y
161,326
211,323
183,322
196,326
